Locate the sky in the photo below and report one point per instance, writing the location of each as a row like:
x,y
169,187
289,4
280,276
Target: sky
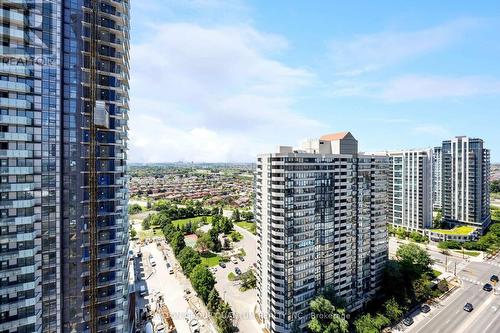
x,y
225,80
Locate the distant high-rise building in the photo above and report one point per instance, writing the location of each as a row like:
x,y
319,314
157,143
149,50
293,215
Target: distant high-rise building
x,y
437,176
63,151
410,189
465,179
321,222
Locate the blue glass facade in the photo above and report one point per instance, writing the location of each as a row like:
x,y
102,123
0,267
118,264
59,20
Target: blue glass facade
x,y
45,133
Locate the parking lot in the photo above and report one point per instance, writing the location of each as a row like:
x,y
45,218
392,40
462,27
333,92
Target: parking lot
x,y
242,303
156,279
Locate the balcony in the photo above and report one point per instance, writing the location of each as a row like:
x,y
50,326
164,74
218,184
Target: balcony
x,y
14,153
14,103
16,170
15,120
11,16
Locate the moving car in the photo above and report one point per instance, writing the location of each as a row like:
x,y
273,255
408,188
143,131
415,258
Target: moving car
x,y
494,278
468,307
425,308
488,287
222,264
237,271
408,321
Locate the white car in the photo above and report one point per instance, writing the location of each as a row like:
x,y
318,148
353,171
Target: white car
x,y
152,261
190,315
234,260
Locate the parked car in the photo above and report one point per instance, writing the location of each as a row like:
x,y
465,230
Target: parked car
x,y
468,307
190,315
242,258
194,326
408,321
222,264
494,278
425,308
237,271
152,261
488,287
139,254
234,260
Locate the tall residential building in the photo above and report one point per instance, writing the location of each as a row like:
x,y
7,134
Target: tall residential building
x,y
63,186
466,182
437,178
321,222
410,189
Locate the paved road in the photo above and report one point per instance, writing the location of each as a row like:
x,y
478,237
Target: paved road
x,y
242,303
172,286
449,317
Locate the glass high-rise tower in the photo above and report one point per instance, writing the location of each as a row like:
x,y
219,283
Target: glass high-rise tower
x,y
63,151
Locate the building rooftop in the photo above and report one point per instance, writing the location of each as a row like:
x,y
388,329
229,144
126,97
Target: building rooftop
x,y
334,136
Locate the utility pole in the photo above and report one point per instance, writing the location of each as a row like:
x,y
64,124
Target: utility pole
x,y
455,269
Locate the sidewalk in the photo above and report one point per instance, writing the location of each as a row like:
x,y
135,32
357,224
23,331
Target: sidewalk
x,y
432,247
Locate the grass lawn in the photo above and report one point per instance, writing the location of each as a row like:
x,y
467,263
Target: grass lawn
x,y
463,230
468,253
210,259
183,222
250,226
150,233
436,273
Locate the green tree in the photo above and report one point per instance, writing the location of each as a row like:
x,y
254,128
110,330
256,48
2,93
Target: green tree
x,y
414,259
248,280
327,318
438,220
226,225
188,259
392,310
370,324
203,281
401,233
177,242
146,224
236,216
133,233
224,318
422,288
418,237
134,209
214,236
495,186
204,242
214,301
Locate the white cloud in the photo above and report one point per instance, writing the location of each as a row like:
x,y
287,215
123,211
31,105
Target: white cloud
x,y
418,87
438,131
212,94
370,52
414,87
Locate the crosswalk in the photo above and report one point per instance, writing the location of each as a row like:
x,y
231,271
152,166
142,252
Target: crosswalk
x,y
479,283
